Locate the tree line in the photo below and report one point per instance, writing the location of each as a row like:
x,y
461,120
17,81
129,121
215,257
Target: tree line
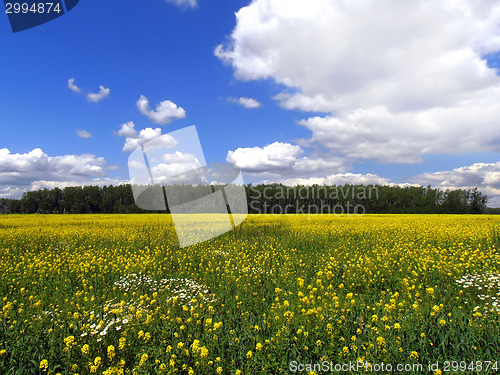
x,y
269,198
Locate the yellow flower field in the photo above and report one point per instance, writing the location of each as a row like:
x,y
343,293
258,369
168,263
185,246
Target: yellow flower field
x,y
114,294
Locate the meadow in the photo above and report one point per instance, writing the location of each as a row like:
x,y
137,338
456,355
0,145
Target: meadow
x,y
115,294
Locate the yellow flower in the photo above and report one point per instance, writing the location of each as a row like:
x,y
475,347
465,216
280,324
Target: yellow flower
x,y
85,349
259,346
44,365
111,352
219,370
414,355
380,341
397,326
143,360
442,322
69,341
203,352
249,354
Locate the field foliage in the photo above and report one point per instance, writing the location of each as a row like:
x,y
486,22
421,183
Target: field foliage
x,y
114,294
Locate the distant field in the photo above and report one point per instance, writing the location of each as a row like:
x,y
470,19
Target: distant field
x,y
114,294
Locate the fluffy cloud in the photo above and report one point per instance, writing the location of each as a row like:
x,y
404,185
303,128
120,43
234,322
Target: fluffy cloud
x,y
91,97
134,138
72,86
184,3
127,130
36,169
280,161
143,136
96,97
402,137
339,179
245,102
274,156
164,113
10,192
284,163
395,79
83,134
485,176
178,168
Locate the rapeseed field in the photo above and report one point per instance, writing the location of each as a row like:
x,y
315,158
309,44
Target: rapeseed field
x,y
115,294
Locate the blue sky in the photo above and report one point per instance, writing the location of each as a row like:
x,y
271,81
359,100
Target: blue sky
x,y
342,92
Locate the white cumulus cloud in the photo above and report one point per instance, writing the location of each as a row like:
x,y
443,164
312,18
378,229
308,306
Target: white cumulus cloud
x,y
127,130
394,79
72,86
91,97
485,176
143,136
176,164
102,94
84,134
274,156
246,102
20,172
339,179
184,3
164,113
133,138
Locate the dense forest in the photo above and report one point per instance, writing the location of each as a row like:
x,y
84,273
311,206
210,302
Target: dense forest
x,y
274,198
